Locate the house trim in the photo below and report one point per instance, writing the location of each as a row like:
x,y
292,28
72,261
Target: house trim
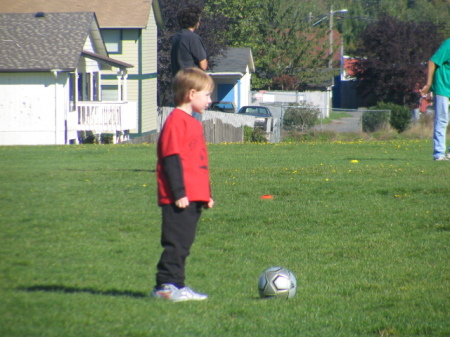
x,y
140,84
107,60
135,77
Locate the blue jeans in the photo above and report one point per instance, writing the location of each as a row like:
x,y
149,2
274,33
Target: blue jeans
x,y
440,125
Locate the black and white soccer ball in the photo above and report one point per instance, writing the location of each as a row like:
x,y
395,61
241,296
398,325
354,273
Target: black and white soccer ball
x,y
277,282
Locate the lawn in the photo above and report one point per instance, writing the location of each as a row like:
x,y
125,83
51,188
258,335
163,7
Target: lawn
x,y
364,226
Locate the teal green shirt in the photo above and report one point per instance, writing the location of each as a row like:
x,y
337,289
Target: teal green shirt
x,y
441,80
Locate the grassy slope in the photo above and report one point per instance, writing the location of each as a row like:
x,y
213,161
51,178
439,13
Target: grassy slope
x,y
367,240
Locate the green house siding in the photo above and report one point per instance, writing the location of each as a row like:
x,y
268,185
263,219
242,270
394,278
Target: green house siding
x,y
149,66
139,48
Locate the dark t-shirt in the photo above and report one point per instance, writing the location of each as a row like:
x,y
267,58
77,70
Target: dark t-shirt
x,y
182,135
187,50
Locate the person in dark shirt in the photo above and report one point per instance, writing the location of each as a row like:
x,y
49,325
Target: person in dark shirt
x,y
187,47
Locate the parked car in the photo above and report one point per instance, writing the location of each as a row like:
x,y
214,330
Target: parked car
x,y
222,106
261,113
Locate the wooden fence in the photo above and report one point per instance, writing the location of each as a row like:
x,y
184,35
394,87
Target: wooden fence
x,y
218,127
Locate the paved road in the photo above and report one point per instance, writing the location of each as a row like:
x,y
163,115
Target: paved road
x,y
346,124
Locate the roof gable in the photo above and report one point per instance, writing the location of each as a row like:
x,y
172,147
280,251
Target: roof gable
x,y
53,41
110,13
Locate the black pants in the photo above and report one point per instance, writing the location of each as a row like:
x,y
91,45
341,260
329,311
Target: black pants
x,y
177,236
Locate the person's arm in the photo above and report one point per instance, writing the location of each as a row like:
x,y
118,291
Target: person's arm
x,y
431,69
174,171
203,64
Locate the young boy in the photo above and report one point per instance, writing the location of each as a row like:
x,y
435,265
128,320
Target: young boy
x,y
187,47
183,182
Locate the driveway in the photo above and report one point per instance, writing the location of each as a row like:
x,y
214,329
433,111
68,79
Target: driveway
x,y
346,124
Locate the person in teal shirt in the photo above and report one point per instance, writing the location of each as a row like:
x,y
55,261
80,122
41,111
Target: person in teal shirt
x,y
438,81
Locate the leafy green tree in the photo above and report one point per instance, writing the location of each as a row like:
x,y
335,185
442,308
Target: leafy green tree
x,y
289,52
280,33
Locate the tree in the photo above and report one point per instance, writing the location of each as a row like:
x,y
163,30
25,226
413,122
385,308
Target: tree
x,y
280,34
289,52
212,31
392,59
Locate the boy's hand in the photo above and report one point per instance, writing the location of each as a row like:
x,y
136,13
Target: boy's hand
x,y
182,202
210,203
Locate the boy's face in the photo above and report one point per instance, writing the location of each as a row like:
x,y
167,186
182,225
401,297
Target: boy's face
x,y
200,100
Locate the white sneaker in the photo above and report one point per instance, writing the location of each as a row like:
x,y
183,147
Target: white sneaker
x,y
171,293
447,156
442,158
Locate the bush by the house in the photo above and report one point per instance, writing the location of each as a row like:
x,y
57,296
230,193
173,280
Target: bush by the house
x,y
400,116
256,135
300,117
375,120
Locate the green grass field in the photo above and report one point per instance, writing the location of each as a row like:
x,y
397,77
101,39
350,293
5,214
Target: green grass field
x,y
363,225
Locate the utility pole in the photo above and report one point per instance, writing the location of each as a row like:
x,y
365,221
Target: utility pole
x,y
330,52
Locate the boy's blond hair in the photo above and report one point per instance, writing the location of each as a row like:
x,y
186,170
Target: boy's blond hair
x,y
188,79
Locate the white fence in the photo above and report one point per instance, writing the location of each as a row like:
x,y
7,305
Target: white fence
x,y
101,117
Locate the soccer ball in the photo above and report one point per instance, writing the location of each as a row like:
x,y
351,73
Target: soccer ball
x,y
277,282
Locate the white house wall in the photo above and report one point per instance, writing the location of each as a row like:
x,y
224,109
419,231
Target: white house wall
x,y
319,99
32,109
85,64
245,89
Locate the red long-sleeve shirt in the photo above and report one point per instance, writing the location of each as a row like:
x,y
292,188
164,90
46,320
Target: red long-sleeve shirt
x,y
182,135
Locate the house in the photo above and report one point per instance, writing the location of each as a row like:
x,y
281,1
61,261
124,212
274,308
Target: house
x,y
232,76
129,30
50,80
346,94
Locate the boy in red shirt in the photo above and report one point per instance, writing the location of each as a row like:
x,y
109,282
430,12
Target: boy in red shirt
x,y
183,182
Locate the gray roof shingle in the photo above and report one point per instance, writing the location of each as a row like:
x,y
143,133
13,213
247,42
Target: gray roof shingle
x,y
110,13
54,41
235,60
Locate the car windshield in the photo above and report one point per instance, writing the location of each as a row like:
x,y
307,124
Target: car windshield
x,y
256,110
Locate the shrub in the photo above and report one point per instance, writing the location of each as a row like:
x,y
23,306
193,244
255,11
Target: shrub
x,y
400,118
90,139
374,120
107,139
256,135
300,117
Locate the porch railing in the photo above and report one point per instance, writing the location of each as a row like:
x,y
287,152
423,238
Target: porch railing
x,y
105,117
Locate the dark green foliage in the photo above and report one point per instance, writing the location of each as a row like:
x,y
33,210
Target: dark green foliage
x,y
107,138
400,116
279,33
300,117
374,120
254,135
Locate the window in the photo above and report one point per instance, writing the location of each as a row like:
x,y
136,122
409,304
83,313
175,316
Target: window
x,y
113,40
72,105
94,88
110,92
